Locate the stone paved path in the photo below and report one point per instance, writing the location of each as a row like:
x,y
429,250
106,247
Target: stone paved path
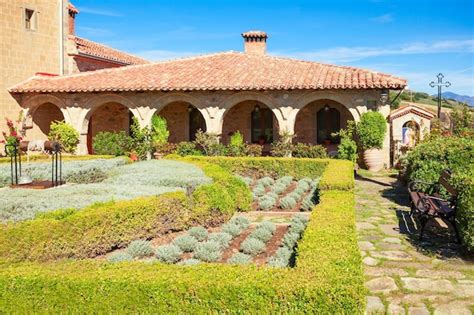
x,y
404,275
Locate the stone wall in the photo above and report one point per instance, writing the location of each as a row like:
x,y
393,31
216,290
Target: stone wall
x,y
24,52
177,118
42,118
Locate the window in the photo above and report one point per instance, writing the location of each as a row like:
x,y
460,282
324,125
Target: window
x,y
30,19
262,125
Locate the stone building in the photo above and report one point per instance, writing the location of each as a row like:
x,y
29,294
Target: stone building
x,y
38,36
260,95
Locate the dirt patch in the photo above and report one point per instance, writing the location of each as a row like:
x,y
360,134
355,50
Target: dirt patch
x,y
272,245
234,246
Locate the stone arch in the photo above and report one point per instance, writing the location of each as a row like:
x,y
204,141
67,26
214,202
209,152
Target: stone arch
x,y
240,97
318,119
40,111
328,95
167,99
100,100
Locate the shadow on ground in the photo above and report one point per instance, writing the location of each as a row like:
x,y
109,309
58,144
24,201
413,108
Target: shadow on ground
x,y
439,238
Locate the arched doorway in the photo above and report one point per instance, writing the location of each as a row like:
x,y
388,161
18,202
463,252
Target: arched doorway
x,y
317,121
42,118
410,133
183,120
109,117
255,120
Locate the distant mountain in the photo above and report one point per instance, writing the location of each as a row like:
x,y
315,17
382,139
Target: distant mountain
x,y
460,98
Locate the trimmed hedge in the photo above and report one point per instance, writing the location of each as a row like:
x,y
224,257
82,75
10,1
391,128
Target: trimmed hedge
x,y
266,166
339,175
44,158
327,279
100,228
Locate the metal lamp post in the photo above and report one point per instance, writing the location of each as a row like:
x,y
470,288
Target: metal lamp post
x,y
440,84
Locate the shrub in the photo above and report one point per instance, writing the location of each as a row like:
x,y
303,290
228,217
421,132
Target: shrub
x,y
268,225
301,218
287,203
266,202
119,257
301,150
209,251
168,254
347,149
286,180
297,227
111,143
189,262
425,163
278,188
65,134
296,196
283,253
253,150
252,246
290,239
259,190
339,175
371,130
232,229
303,184
236,145
159,131
262,234
93,175
277,262
239,259
247,180
185,148
307,204
186,243
241,221
284,146
140,139
139,249
266,181
222,238
198,232
207,142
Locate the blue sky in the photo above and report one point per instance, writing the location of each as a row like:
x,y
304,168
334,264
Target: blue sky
x,y
414,39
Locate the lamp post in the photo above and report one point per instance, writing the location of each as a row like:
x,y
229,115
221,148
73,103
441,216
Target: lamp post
x,y
440,84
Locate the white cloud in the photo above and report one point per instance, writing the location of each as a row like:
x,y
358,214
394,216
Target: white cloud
x,y
157,55
99,11
349,54
385,18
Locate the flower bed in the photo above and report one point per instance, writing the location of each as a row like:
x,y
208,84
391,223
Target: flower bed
x,y
116,181
327,277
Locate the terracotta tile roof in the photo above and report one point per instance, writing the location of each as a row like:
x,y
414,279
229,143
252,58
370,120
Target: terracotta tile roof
x,y
72,8
411,109
93,49
221,71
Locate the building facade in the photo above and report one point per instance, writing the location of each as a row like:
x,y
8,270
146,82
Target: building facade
x,y
38,36
259,95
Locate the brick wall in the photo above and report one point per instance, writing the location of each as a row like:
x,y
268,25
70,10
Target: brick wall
x,y
43,116
110,117
306,120
239,118
177,118
24,52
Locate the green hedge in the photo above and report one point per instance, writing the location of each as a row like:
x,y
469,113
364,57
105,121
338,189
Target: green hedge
x,y
266,166
100,228
42,158
327,279
339,175
426,161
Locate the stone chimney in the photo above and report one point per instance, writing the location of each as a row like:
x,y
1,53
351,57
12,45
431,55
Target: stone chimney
x,y
72,11
255,42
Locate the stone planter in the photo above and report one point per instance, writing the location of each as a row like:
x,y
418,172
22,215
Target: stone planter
x,y
158,156
373,159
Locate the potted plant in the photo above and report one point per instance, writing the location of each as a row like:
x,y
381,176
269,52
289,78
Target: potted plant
x,y
371,133
159,136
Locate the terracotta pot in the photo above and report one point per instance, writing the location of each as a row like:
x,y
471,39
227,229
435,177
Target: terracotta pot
x,y
373,159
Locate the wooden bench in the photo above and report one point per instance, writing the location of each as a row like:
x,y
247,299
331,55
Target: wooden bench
x,y
427,203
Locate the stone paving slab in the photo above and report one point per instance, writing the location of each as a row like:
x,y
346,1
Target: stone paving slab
x,y
401,278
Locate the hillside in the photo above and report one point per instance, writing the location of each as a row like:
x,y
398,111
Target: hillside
x,y
423,98
469,100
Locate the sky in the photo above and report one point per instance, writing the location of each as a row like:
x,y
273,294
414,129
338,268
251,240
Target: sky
x,y
413,39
